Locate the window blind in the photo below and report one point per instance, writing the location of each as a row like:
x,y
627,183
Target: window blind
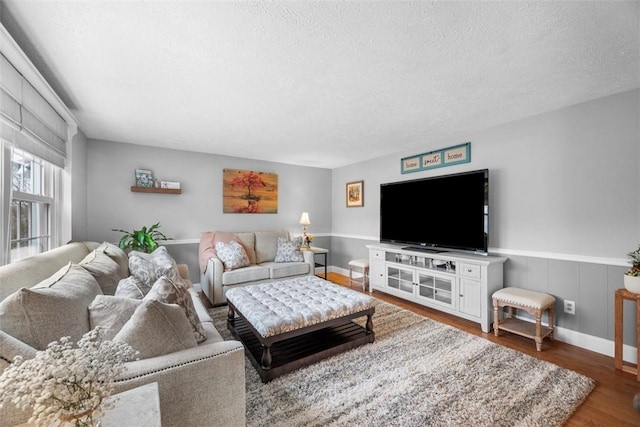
x,y
27,120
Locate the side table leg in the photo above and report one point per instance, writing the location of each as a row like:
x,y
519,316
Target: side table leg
x,y
618,331
266,357
638,339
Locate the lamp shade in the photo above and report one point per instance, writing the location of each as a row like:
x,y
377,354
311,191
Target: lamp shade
x,y
304,218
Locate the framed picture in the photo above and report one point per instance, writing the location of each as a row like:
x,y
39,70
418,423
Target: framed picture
x,y
355,194
251,192
144,178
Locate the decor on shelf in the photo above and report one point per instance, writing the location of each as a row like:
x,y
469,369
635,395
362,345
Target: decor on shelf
x,y
304,221
143,240
172,185
245,191
632,276
64,385
144,178
309,239
436,159
355,194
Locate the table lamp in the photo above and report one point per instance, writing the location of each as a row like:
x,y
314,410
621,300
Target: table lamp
x,y
304,221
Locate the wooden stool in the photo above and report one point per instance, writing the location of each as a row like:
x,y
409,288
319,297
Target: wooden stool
x,y
532,302
362,265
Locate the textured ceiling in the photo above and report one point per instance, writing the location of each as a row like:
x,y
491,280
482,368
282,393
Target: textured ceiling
x,y
322,84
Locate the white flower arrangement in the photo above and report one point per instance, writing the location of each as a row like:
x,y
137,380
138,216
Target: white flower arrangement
x,y
64,385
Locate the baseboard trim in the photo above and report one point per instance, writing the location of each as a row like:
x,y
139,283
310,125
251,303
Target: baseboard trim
x,y
568,336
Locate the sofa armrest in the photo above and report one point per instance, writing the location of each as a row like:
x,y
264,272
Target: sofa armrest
x,y
196,386
211,281
11,347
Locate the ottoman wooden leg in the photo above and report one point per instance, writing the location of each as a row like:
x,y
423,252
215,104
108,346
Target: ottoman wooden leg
x,y
538,337
266,357
552,310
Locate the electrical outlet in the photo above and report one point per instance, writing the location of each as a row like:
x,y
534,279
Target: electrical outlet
x,y
569,307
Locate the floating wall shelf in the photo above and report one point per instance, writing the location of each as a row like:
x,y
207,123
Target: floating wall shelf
x,y
135,189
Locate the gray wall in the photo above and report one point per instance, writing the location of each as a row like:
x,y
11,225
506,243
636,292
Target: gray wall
x,y
111,204
77,164
564,203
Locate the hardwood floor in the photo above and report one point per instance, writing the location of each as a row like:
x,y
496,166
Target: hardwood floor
x,y
609,404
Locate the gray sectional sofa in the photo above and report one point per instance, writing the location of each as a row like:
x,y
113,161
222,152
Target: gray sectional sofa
x,y
264,266
203,385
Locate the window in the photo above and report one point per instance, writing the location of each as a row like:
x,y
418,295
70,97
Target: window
x,y
32,205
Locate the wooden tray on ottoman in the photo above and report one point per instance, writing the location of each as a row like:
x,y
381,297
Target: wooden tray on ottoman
x,y
284,352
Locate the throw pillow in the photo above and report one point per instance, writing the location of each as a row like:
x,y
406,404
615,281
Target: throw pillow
x,y
11,347
105,270
289,250
232,255
116,254
54,308
149,267
169,292
111,313
131,287
156,328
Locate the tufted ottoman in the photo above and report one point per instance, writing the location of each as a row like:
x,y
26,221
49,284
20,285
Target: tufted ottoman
x,y
292,323
535,303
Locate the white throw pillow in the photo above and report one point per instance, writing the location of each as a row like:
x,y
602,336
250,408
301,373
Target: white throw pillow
x,y
289,250
105,270
116,254
156,328
54,308
111,313
232,255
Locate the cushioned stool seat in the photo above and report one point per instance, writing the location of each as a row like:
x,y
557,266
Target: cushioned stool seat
x,y
534,303
361,265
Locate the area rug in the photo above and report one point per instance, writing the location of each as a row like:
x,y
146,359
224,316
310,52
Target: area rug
x,y
418,372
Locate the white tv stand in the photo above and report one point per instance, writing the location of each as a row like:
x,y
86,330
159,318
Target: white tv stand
x,y
452,282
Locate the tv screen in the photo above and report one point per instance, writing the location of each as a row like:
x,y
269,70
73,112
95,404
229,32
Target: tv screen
x,y
437,213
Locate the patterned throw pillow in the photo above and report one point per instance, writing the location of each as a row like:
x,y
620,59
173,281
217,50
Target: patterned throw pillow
x,y
232,255
169,292
147,268
131,287
289,250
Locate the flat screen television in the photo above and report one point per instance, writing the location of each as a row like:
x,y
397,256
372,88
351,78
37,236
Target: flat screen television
x,y
436,214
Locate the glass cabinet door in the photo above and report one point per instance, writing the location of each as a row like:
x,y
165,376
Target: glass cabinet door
x,y
400,279
435,288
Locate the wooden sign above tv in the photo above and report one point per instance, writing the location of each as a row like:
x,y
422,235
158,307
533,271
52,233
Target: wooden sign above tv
x,y
437,159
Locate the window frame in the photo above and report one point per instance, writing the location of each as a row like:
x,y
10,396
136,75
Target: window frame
x,y
48,186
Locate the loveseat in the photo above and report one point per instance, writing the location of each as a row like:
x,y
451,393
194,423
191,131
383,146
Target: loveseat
x,y
202,385
271,256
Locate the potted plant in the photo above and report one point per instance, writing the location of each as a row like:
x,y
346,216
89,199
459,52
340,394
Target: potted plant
x,y
143,240
632,276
